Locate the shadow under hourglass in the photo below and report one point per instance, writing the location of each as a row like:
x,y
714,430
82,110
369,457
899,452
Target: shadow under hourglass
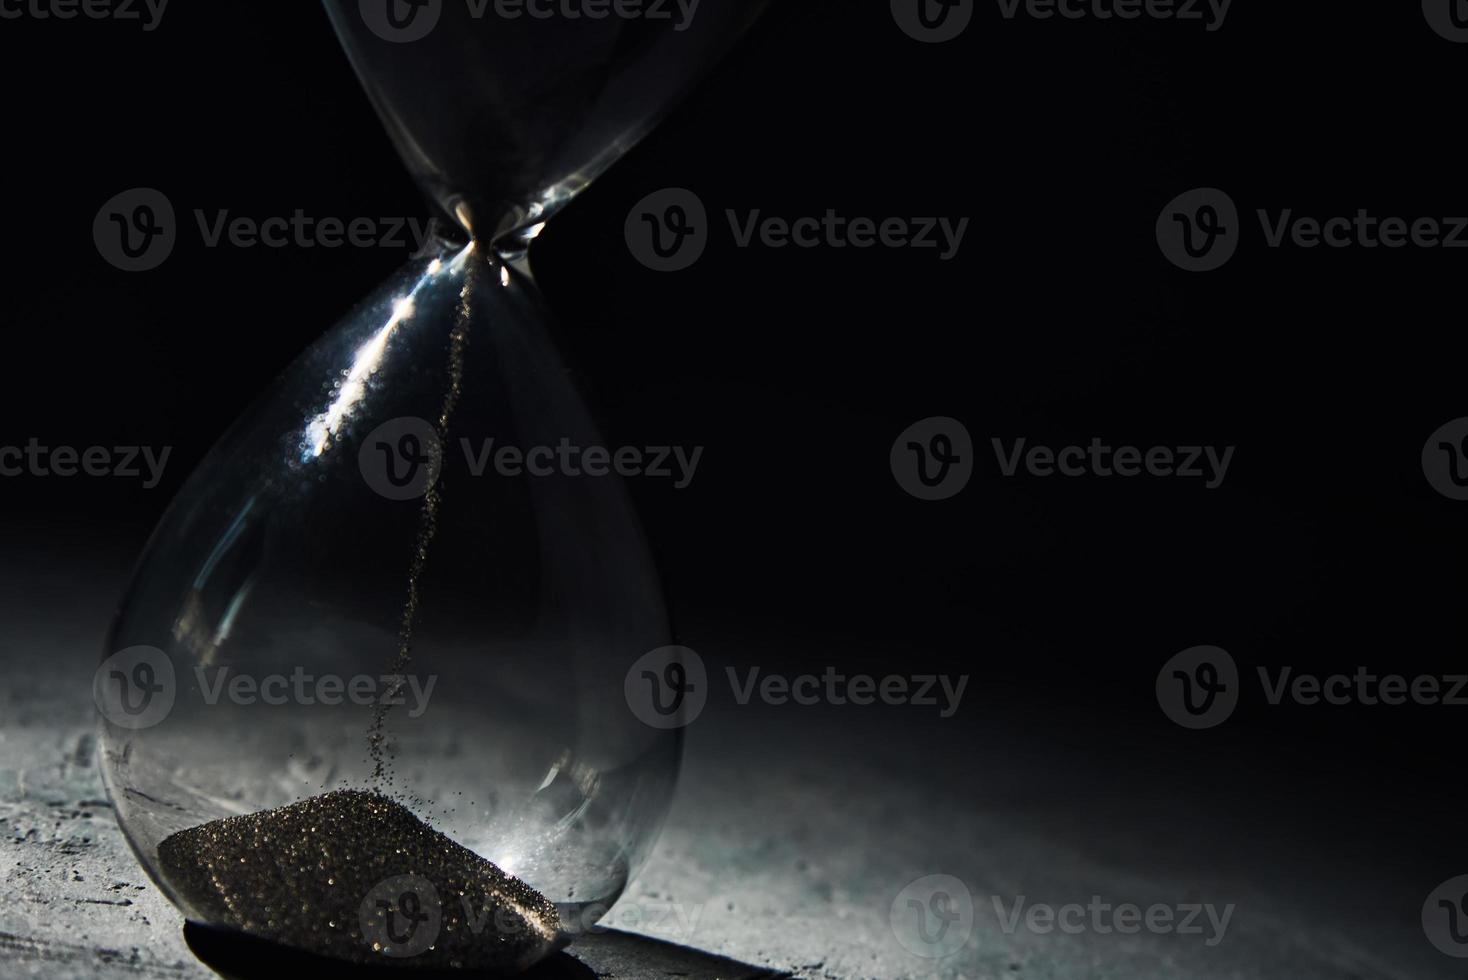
x,y
237,956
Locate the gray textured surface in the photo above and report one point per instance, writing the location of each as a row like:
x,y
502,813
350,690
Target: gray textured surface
x,y
788,843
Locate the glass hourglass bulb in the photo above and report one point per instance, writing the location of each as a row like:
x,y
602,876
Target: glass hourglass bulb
x,y
505,109
365,695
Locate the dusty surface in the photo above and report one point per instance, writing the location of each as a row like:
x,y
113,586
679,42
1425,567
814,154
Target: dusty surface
x,y
792,838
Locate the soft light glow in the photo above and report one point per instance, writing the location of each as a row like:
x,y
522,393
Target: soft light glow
x,y
324,427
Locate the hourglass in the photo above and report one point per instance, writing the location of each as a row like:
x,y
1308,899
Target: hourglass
x,y
367,694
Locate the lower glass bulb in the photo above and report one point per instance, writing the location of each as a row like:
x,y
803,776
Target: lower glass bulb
x,y
365,695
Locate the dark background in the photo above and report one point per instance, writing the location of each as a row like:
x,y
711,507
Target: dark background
x,y
1059,320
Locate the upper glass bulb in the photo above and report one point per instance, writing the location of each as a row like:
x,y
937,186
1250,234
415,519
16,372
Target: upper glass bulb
x,y
505,109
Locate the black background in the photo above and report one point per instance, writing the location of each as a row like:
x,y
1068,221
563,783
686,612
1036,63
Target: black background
x,y
796,369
